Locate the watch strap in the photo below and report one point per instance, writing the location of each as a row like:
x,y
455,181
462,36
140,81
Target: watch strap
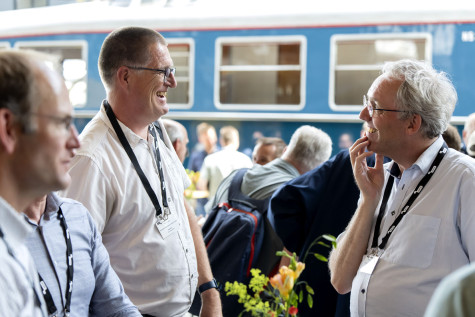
x,y
208,285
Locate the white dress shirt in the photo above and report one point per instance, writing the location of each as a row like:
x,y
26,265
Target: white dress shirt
x,y
20,293
434,238
159,273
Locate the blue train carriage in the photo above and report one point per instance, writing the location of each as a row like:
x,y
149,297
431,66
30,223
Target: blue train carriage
x,y
262,66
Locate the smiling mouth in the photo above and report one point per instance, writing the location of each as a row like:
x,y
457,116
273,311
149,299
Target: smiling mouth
x,y
162,94
372,130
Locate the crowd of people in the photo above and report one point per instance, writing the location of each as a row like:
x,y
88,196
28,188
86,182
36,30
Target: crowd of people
x,y
97,224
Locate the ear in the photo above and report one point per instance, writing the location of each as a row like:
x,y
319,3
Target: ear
x,y
8,131
175,144
414,124
122,76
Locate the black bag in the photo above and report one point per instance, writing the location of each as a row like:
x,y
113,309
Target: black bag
x,y
239,237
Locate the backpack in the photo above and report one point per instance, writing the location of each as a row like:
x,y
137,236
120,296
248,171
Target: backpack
x,y
239,237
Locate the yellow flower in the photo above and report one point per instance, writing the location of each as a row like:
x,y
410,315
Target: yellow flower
x,y
285,280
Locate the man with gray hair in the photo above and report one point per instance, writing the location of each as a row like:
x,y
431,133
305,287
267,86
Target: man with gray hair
x,y
308,148
414,222
178,137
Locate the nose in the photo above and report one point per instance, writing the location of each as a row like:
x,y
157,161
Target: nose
x,y
73,140
171,81
364,114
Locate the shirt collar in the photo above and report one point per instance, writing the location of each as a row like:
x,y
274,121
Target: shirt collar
x,y
13,226
423,162
131,137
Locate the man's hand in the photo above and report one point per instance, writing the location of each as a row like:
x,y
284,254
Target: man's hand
x,y
370,180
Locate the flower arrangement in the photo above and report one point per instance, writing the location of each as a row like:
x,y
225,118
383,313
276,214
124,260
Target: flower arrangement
x,y
281,294
193,176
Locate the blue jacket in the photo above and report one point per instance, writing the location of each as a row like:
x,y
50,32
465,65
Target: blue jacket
x,y
319,202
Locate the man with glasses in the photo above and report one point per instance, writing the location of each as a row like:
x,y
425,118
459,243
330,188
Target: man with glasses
x,y
37,143
128,177
414,223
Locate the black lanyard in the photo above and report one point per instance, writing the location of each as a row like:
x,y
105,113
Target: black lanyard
x,y
52,310
440,155
138,169
12,254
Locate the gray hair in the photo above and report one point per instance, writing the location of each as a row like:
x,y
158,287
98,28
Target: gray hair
x,y
174,130
470,124
309,146
424,91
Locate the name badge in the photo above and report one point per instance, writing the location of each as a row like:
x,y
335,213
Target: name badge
x,y
368,264
167,223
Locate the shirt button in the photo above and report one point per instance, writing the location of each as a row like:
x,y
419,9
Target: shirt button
x,y
191,275
363,291
169,200
186,250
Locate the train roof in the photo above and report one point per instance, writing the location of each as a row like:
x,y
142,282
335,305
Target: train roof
x,y
183,15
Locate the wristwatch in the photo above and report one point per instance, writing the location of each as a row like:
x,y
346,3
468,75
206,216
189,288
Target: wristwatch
x,y
206,286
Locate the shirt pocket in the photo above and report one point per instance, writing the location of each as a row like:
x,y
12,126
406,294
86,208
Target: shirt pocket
x,y
413,242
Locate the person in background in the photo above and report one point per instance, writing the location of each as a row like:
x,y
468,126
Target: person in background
x,y
414,222
452,138
267,149
178,136
207,144
151,234
471,145
454,295
208,140
468,130
345,141
37,143
219,165
65,237
308,148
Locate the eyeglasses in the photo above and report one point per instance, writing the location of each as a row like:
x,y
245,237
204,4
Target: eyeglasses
x,y
369,104
166,71
66,121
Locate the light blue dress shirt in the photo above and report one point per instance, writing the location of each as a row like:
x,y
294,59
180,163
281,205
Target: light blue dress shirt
x,y
96,291
20,293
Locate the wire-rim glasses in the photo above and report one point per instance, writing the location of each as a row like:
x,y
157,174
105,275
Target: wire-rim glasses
x,y
369,104
166,71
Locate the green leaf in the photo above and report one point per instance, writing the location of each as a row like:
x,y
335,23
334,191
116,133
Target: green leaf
x,y
329,237
310,300
323,243
320,257
309,289
300,296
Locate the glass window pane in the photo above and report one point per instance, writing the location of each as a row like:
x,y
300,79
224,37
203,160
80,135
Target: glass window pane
x,y
178,94
270,87
261,54
180,53
372,52
73,68
359,61
352,85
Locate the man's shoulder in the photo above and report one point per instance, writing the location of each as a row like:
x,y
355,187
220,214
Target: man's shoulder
x,y
93,136
460,160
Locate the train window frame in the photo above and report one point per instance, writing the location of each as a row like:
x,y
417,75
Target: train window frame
x,y
81,44
302,67
338,38
191,72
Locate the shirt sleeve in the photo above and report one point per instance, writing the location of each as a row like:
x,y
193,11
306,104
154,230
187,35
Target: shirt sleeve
x,y
109,298
90,187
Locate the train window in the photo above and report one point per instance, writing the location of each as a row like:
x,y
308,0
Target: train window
x,y
4,45
73,62
356,61
260,73
182,53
